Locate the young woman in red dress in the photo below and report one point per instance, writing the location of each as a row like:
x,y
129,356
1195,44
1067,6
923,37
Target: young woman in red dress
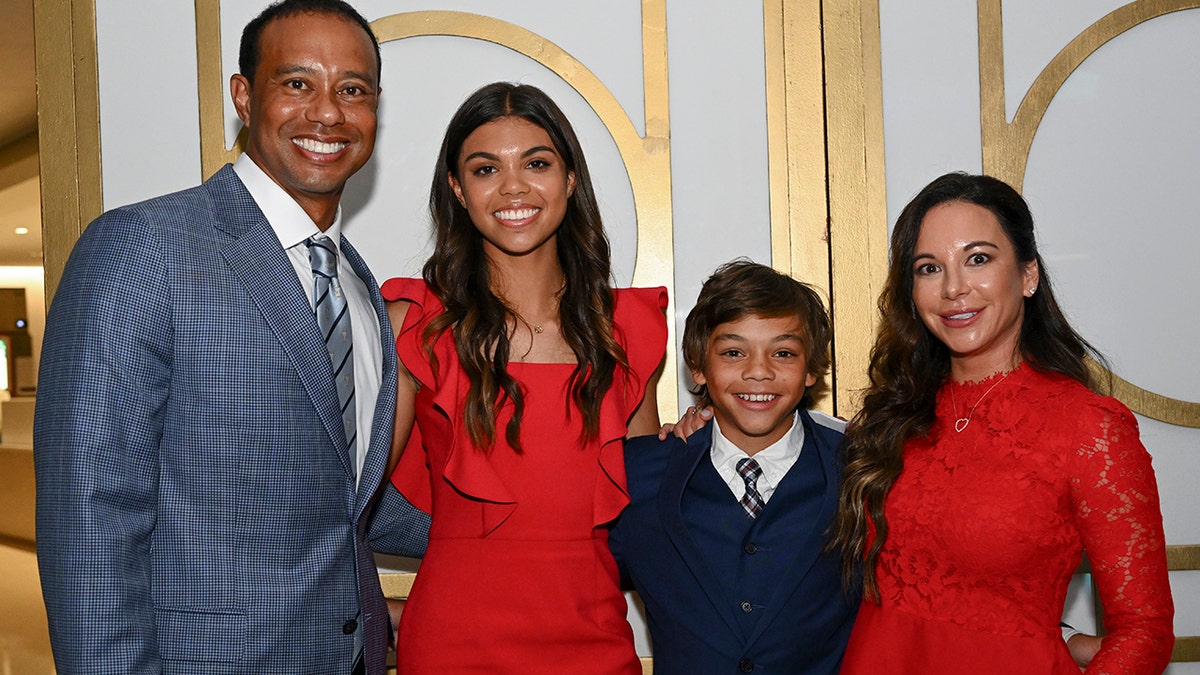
x,y
983,463
524,371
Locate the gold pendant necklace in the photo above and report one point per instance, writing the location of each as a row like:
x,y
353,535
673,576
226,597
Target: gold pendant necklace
x,y
962,422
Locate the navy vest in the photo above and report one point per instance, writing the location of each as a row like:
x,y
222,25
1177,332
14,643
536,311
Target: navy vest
x,y
752,553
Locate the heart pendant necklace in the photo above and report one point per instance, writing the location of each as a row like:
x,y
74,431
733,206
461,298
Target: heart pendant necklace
x,y
962,422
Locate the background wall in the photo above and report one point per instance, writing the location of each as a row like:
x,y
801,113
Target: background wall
x,y
1109,173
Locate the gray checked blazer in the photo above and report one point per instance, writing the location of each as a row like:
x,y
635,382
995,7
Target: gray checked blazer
x,y
196,510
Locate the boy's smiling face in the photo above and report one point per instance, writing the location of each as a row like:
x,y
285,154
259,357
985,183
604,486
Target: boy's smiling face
x,y
756,372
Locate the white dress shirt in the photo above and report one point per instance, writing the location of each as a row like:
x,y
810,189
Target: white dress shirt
x,y
293,226
775,460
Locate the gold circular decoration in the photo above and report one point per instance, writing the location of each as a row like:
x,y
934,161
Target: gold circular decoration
x,y
1007,146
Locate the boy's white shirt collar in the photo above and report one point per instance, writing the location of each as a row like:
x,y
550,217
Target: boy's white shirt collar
x,y
775,460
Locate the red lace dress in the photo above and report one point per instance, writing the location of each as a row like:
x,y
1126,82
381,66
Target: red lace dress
x,y
518,577
987,526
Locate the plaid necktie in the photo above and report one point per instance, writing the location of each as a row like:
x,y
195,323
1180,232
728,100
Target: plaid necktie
x,y
752,501
334,321
333,318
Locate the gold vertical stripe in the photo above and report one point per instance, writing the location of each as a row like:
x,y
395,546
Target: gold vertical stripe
x,y
796,145
857,209
211,81
655,262
68,127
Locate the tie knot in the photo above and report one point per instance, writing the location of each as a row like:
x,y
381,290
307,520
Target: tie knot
x,y
749,469
322,255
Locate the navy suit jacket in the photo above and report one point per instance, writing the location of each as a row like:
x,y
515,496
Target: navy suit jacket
x,y
196,507
692,612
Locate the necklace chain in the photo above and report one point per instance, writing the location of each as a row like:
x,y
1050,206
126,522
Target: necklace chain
x,y
962,422
537,328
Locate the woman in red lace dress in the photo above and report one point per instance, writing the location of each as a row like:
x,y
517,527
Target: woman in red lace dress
x,y
983,464
524,371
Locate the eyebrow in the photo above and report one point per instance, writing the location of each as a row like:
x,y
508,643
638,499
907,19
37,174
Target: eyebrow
x,y
734,337
977,244
493,158
539,148
966,247
306,70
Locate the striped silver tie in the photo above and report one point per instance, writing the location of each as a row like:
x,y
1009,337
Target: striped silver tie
x,y
334,322
333,318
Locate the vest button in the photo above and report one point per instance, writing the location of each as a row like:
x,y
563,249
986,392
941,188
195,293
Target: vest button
x,y
745,666
747,607
349,627
750,549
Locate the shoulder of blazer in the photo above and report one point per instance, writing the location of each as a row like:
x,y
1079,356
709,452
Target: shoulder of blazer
x,y
646,458
828,431
234,210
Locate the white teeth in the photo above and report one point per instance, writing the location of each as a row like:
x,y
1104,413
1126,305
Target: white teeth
x,y
758,398
516,214
319,147
964,315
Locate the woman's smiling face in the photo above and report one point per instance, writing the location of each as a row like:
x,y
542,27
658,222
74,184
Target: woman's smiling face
x,y
514,184
969,288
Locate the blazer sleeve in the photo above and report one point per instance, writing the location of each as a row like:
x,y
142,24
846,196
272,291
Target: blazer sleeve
x,y
103,387
397,527
645,461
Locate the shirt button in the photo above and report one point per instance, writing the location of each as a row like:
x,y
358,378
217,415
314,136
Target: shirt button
x,y
747,607
745,666
349,627
751,549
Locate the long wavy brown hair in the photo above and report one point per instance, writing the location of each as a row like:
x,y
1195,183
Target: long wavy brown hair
x,y
459,273
908,365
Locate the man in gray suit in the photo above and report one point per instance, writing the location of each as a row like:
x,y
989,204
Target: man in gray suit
x,y
217,394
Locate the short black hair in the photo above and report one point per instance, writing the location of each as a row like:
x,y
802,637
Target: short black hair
x,y
251,49
744,288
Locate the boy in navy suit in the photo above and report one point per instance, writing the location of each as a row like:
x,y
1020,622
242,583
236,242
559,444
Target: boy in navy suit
x,y
724,537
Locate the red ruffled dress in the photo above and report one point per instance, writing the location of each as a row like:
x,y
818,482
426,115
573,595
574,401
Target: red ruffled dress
x,y
987,526
518,577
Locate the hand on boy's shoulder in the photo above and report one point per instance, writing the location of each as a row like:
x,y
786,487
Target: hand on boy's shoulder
x,y
692,421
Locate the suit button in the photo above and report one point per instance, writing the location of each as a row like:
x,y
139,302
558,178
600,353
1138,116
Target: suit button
x,y
747,607
751,549
745,666
349,627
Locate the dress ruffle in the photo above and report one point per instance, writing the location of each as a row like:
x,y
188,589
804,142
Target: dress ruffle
x,y
640,329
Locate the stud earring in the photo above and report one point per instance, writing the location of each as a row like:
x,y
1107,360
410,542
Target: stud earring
x,y
1032,291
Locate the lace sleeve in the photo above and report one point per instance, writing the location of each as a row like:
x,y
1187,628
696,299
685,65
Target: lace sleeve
x,y
1117,512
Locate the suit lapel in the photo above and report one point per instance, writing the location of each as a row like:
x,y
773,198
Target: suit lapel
x,y
681,466
810,547
385,405
260,263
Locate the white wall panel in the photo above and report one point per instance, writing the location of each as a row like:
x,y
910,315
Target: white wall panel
x,y
150,138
